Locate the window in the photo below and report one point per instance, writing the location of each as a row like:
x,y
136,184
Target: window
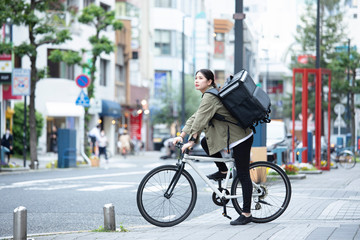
x,y
160,83
105,7
135,55
119,73
163,3
104,72
88,2
162,42
60,69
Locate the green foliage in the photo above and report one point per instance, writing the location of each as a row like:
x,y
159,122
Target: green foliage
x,y
18,127
172,98
331,35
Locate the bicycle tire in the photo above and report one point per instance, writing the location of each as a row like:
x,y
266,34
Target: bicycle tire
x,y
275,198
155,207
346,159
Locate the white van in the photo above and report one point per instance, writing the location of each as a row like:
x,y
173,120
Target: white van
x,y
277,136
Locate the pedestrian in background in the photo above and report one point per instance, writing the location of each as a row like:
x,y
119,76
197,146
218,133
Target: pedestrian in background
x,y
94,135
7,141
53,139
102,141
125,143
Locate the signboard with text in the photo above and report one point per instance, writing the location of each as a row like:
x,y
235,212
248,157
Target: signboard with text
x,y
21,80
5,68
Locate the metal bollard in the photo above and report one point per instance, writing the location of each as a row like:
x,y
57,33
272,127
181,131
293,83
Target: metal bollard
x,y
20,221
109,217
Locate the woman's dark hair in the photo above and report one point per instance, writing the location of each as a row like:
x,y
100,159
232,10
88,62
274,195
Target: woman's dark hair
x,y
209,75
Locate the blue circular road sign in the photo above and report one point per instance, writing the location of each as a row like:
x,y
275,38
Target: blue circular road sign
x,y
82,81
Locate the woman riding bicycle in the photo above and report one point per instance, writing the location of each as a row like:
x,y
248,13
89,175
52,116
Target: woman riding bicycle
x,y
220,135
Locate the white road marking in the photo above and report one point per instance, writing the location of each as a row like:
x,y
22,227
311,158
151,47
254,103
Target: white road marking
x,y
42,181
57,187
103,188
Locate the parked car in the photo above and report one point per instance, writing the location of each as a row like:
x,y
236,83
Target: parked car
x,y
277,136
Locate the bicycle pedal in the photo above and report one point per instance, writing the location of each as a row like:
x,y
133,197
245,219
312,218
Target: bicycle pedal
x,y
225,215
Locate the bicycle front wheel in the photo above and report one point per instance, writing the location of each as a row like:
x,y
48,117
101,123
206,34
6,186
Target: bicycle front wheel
x,y
347,159
159,209
271,192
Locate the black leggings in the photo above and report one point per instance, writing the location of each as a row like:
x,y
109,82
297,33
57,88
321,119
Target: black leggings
x,y
241,154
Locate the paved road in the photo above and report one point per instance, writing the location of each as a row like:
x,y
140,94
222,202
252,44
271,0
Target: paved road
x,y
323,206
72,199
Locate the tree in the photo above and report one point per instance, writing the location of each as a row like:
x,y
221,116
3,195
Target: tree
x,y
100,19
172,99
342,65
331,35
18,129
35,17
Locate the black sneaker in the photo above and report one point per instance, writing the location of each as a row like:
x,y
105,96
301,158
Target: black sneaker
x,y
217,176
242,220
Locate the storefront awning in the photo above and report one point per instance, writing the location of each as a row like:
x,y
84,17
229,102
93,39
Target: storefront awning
x,y
64,109
110,109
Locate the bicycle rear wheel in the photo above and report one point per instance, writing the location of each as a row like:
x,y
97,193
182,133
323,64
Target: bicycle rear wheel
x,y
271,192
347,159
164,211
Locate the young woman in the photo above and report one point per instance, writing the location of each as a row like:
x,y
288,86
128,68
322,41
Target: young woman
x,y
220,135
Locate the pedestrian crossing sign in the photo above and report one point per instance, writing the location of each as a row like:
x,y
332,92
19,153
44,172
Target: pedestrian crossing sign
x,y
83,99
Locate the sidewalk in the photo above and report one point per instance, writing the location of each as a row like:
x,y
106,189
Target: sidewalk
x,y
323,206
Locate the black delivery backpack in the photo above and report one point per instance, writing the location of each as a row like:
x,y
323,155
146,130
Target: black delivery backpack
x,y
246,102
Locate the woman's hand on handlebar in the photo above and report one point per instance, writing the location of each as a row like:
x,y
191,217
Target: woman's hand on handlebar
x,y
177,139
187,145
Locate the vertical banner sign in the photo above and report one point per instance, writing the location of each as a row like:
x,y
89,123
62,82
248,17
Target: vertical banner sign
x,y
135,126
5,68
21,79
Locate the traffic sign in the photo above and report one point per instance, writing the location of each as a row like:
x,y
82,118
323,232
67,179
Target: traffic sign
x,y
339,122
339,108
82,81
83,99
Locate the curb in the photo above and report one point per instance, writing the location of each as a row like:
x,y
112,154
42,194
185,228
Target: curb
x,y
297,176
311,172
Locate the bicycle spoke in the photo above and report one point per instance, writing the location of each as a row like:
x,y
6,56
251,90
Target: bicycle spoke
x,y
166,210
271,192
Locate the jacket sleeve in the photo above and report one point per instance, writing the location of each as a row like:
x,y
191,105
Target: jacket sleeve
x,y
188,124
208,106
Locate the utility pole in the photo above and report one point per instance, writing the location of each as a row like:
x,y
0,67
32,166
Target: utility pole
x,y
239,36
348,94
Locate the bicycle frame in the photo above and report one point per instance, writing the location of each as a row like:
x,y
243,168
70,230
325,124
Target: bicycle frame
x,y
230,164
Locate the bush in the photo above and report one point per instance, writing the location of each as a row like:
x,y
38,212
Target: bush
x,y
18,127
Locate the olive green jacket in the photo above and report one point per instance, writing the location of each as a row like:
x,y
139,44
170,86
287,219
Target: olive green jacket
x,y
216,132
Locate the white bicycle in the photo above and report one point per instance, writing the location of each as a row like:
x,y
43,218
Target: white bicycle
x,y
167,194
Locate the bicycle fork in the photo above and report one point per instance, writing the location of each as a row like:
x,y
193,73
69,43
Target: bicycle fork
x,y
174,180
